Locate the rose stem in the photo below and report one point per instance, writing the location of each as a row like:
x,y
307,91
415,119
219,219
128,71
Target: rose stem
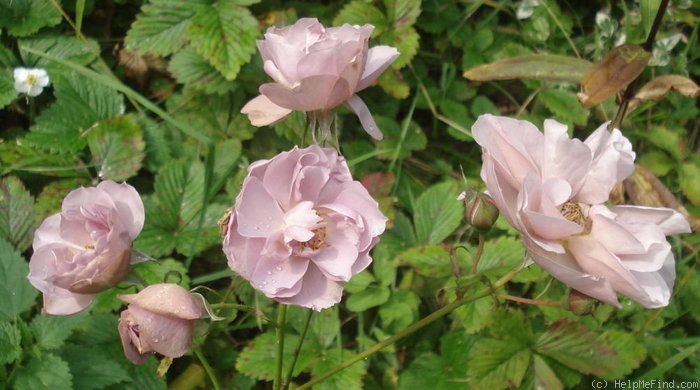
x,y
295,354
281,318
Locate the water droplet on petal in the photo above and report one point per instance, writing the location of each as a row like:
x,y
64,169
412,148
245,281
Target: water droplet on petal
x,y
278,268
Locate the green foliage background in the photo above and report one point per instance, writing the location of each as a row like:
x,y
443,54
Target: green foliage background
x,y
150,92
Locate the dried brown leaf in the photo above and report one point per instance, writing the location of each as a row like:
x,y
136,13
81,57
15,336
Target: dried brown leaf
x,y
658,88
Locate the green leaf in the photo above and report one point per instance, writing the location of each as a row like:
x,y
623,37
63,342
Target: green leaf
x,y
438,213
117,147
440,372
564,105
428,260
545,377
546,67
8,93
227,153
161,27
400,140
163,271
16,294
403,12
359,12
400,311
155,240
393,84
503,252
46,371
370,297
474,316
94,368
63,47
348,379
689,180
498,364
143,377
406,40
25,17
193,70
10,339
16,213
258,359
224,34
80,104
51,332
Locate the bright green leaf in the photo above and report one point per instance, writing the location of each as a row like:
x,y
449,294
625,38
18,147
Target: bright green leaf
x,y
193,70
348,379
406,40
438,213
258,359
45,371
545,377
689,178
161,27
224,34
370,297
50,332
16,213
428,260
25,17
359,12
117,147
10,339
16,294
564,105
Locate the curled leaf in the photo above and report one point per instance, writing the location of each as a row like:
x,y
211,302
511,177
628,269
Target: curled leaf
x,y
616,69
658,88
545,67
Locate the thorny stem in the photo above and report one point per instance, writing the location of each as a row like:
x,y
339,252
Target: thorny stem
x,y
279,359
648,46
207,368
412,328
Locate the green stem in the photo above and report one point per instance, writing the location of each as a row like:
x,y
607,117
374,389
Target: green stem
x,y
279,359
246,308
479,252
411,329
207,368
295,355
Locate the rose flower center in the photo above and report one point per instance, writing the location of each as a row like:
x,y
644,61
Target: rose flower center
x,y
574,213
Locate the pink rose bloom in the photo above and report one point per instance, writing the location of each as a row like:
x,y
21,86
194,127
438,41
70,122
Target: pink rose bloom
x,y
553,188
301,227
316,69
158,319
86,248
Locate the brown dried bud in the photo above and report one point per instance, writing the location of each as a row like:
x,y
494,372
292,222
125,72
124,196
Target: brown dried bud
x,y
580,303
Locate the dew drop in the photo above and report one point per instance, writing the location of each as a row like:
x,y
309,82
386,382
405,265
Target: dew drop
x,y
269,272
278,268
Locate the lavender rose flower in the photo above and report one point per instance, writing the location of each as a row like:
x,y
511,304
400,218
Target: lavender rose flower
x,y
553,189
316,69
86,248
301,227
159,319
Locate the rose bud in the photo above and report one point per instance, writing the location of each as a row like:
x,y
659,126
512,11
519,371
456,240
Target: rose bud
x,y
580,303
481,212
158,319
86,248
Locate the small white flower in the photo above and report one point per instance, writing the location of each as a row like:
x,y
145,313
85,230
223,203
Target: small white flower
x,y
30,80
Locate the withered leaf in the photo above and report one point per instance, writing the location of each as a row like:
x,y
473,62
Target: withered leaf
x,y
659,87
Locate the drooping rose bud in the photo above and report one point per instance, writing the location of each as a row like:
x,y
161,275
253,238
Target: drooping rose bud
x,y
481,212
159,319
86,248
580,303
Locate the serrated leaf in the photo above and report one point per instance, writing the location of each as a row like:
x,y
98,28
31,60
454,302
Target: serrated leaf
x,y
117,147
564,105
474,316
45,371
545,377
370,297
10,339
393,84
155,241
406,40
225,35
80,104
400,311
163,271
51,332
428,260
143,377
503,252
8,93
218,118
179,192
16,294
95,368
498,364
16,213
193,240
689,180
74,49
348,379
440,372
630,352
225,157
25,17
404,12
161,27
438,213
359,12
258,359
399,141
96,328
193,70
545,67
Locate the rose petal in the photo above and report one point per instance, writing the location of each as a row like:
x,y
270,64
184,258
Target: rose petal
x,y
262,111
360,109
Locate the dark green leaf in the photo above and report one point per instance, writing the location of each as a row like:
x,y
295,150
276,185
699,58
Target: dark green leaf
x,y
349,378
429,260
163,271
10,339
191,69
25,17
51,331
258,359
438,213
74,49
400,311
16,294
16,213
117,147
370,297
224,34
8,93
45,371
94,368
